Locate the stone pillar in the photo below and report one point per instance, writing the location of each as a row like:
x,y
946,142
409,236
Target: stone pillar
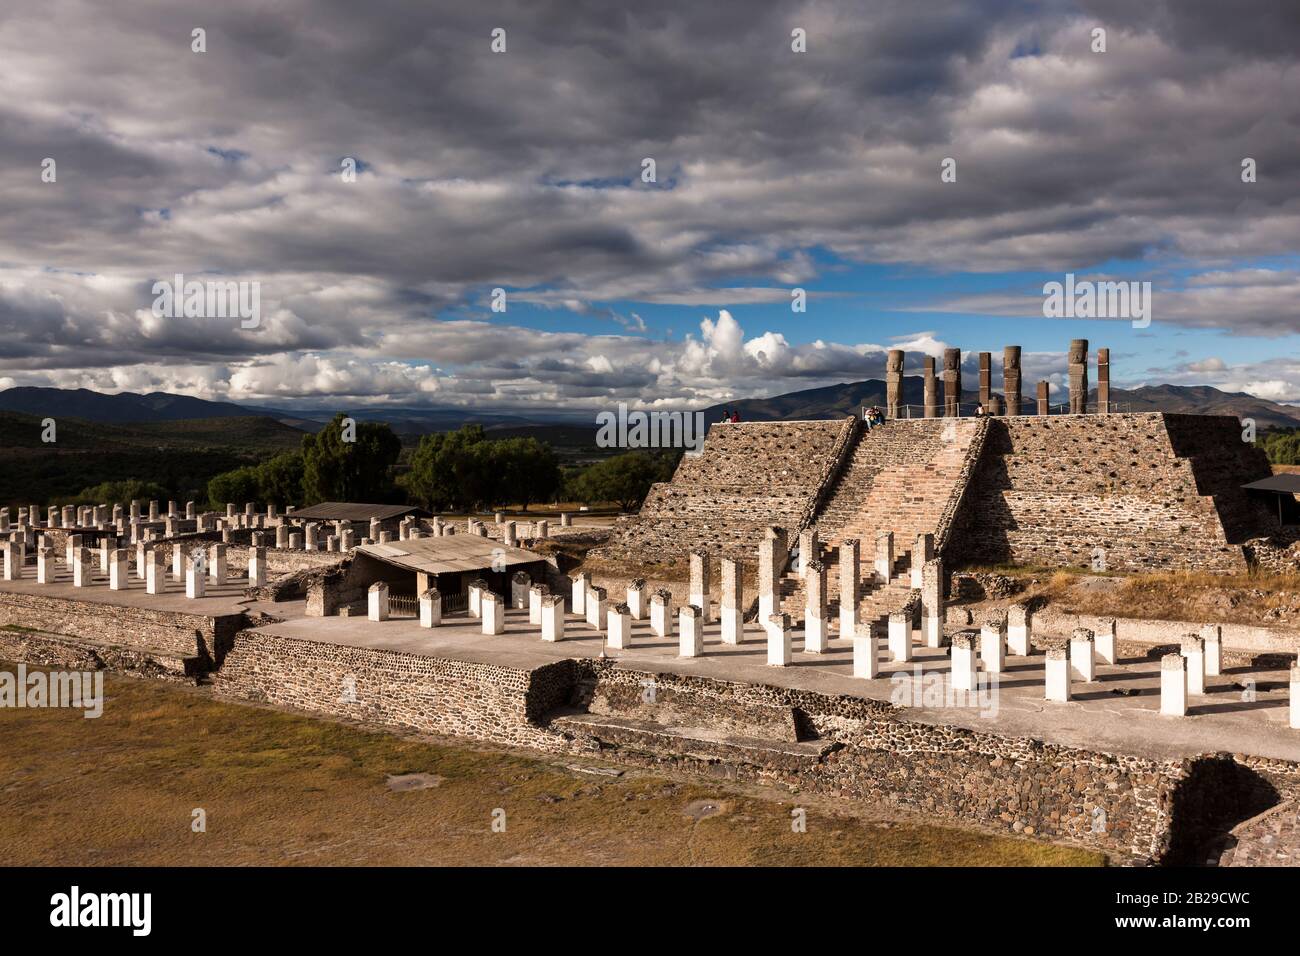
x,y
1082,655
195,577
932,602
493,613
690,629
636,599
620,627
119,570
153,510
508,534
142,552
885,555
661,613
1104,639
1193,650
866,654
311,536
816,630
566,519
931,394
1078,376
578,602
1019,631
282,536
1294,690
1103,381
951,382
44,565
543,529
474,605
257,567
430,608
81,566
377,601
217,564
535,594
1043,399
155,572
14,557
553,617
994,406
73,545
893,382
178,561
1212,634
700,582
597,606
809,549
1058,673
733,604
770,558
900,636
1173,685
922,551
850,572
986,379
347,540
376,526
993,648
520,582
963,660
780,641
1011,378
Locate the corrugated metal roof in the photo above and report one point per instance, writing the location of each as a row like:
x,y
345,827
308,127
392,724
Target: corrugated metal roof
x,y
1287,484
459,552
354,511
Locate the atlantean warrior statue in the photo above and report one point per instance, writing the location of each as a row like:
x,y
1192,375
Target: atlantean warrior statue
x,y
1011,378
1078,376
951,382
893,382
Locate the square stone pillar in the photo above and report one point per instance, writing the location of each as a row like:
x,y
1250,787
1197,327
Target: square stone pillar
x,y
430,608
1082,655
1193,650
661,613
1078,376
1043,399
1011,378
885,555
900,636
44,565
986,379
71,545
377,601
535,595
780,641
932,608
690,630
493,613
581,584
1103,381
771,558
81,567
951,382
543,529
155,572
553,617
14,558
992,648
119,570
597,607
1058,673
217,564
866,654
816,628
508,534
931,393
477,587
700,583
195,575
1173,685
1212,635
107,546
733,602
893,382
620,627
636,599
257,567
1294,691
1104,639
850,591
520,582
809,549
1019,631
922,551
963,660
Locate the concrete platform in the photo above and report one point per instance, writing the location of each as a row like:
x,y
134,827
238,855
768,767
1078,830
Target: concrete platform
x,y
1119,712
227,599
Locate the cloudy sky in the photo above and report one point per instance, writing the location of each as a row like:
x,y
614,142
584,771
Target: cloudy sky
x,y
522,170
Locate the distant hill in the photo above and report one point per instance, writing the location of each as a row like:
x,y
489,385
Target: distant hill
x,y
123,407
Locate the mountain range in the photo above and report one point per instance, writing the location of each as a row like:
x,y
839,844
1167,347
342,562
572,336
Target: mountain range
x,y
816,403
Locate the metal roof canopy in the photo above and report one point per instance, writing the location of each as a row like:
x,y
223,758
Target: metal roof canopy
x,y
448,555
354,511
1286,484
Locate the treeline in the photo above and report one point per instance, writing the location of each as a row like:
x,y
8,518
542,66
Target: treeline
x,y
1282,445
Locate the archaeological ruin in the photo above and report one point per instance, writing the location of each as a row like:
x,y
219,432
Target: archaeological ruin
x,y
782,611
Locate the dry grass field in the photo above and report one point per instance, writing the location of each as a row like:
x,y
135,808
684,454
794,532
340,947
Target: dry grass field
x,y
282,789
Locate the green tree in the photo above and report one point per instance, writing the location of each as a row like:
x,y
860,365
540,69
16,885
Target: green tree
x,y
525,471
338,470
624,479
237,487
119,493
280,480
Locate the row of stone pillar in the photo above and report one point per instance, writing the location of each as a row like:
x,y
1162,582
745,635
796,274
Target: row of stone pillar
x,y
196,566
1011,383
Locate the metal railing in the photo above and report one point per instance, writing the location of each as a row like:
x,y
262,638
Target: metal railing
x,y
404,605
